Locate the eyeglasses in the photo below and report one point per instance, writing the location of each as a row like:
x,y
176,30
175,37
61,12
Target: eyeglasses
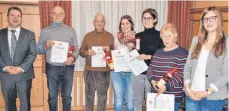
x,y
58,14
211,19
147,18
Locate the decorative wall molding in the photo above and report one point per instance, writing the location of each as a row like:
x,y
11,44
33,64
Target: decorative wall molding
x,y
34,2
26,8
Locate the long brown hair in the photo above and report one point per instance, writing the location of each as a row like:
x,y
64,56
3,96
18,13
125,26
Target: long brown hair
x,y
129,19
219,47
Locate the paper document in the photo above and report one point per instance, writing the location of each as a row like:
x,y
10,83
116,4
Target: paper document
x,y
117,57
163,102
137,66
59,52
98,60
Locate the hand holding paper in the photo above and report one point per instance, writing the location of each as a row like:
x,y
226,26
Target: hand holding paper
x,y
49,43
137,66
167,77
91,52
69,61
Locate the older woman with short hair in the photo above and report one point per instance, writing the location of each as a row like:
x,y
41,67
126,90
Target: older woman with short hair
x,y
164,60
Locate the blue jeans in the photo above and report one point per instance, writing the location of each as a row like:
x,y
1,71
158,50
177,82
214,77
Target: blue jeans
x,y
122,86
59,77
203,105
177,106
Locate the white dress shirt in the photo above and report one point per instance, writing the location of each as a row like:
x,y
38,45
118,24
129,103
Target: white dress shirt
x,y
198,83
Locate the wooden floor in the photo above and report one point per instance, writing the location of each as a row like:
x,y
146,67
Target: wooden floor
x,y
142,110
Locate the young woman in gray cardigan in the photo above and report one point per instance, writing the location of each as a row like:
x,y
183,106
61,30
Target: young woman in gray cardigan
x,y
206,69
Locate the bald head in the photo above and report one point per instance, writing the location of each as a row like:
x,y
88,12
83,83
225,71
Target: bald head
x,y
58,14
99,16
99,22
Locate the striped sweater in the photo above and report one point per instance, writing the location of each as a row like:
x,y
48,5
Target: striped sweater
x,y
162,62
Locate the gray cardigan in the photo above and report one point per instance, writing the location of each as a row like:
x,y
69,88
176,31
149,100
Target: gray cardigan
x,y
216,71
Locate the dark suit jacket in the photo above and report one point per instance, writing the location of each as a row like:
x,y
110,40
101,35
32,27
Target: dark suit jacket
x,y
24,56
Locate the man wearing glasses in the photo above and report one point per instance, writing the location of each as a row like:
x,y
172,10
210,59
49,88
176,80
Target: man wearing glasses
x,y
58,74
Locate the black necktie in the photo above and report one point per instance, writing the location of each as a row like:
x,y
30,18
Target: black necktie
x,y
13,43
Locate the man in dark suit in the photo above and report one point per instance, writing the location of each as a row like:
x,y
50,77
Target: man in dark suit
x,y
17,54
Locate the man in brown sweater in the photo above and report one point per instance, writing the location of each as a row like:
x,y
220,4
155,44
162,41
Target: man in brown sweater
x,y
96,78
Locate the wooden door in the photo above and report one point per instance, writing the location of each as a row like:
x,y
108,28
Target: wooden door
x,y
199,6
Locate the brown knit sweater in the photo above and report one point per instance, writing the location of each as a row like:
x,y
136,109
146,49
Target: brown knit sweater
x,y
95,38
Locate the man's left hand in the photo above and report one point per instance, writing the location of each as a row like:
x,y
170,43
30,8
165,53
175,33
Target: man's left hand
x,y
17,70
69,61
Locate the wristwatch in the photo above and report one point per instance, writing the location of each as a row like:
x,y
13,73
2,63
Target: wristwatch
x,y
209,92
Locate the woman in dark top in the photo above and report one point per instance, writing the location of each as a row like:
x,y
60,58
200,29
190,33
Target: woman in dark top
x,y
149,42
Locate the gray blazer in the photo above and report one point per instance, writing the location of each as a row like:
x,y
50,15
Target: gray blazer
x,y
216,71
24,56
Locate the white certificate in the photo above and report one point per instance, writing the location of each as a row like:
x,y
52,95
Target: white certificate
x,y
119,64
163,102
137,66
98,60
59,52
